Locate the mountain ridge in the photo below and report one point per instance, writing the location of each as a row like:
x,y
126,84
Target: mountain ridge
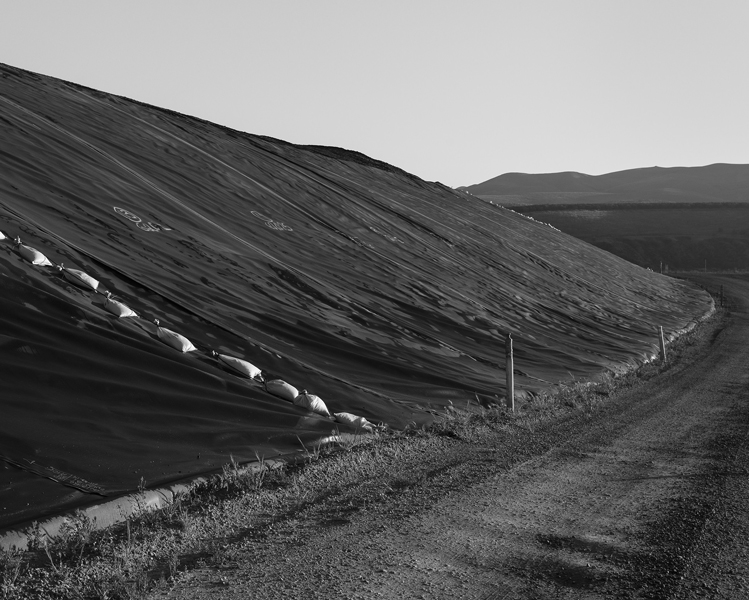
x,y
718,182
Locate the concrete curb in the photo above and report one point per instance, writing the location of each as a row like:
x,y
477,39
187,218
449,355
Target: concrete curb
x,y
119,509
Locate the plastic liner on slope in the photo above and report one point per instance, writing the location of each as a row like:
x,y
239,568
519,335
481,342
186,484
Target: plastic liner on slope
x,y
388,296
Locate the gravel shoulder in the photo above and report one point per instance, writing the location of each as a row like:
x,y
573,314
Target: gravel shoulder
x,y
641,495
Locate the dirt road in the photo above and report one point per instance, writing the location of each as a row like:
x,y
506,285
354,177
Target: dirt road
x,y
645,497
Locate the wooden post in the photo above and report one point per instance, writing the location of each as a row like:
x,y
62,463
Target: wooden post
x,y
510,374
663,346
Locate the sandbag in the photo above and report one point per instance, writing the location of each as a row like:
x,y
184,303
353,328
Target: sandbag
x,y
312,402
79,277
280,388
118,308
354,421
173,339
32,254
242,367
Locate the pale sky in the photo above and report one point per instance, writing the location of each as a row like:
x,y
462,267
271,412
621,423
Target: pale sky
x,y
452,91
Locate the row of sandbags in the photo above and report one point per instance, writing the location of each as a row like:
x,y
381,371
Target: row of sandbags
x,y
238,366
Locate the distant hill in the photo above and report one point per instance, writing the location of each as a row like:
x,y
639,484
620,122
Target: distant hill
x,y
684,217
712,183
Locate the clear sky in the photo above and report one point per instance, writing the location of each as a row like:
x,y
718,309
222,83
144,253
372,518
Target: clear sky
x,y
452,91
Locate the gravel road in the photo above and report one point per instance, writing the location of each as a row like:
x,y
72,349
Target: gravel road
x,y
644,497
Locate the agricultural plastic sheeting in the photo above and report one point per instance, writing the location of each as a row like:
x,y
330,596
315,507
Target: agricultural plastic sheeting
x,y
389,296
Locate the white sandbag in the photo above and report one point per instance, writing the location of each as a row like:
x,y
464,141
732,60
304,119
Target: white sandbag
x,y
118,308
32,254
242,367
354,421
173,339
280,388
79,277
312,402
2,236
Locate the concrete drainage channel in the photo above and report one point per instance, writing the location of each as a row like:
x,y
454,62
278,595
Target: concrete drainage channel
x,y
120,509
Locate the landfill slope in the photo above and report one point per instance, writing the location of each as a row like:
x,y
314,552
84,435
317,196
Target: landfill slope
x,y
387,296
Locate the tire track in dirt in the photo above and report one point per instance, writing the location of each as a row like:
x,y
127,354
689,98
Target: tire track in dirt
x,y
617,503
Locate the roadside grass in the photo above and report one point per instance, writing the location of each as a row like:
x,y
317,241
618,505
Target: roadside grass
x,y
207,526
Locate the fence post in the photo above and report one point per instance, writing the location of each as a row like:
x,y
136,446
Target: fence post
x,y
510,370
663,345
